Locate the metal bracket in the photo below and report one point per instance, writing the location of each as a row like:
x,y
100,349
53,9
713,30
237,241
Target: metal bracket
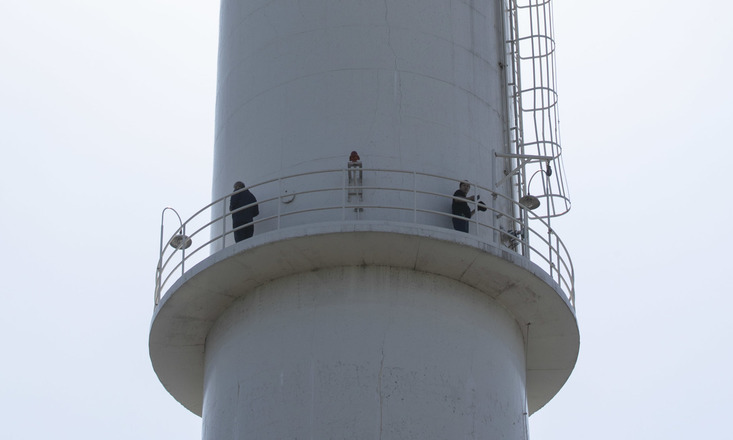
x,y
524,158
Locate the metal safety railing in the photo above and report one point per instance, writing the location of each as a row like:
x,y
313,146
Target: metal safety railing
x,y
404,197
323,196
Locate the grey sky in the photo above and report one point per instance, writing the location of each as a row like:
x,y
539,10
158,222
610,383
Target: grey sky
x,y
106,117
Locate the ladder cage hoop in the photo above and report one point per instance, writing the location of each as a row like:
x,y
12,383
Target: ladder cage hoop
x,y
533,120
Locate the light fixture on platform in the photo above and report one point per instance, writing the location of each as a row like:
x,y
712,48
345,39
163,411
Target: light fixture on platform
x,y
180,241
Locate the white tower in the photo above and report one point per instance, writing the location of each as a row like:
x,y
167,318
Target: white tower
x,y
357,310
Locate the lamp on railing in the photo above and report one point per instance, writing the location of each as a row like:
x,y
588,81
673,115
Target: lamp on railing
x,y
179,241
529,201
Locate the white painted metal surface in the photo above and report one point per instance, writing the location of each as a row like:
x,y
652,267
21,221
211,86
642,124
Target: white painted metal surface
x,y
365,352
185,316
365,315
413,85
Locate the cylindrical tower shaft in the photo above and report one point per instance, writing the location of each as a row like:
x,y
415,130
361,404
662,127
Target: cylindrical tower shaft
x,y
410,85
381,322
365,352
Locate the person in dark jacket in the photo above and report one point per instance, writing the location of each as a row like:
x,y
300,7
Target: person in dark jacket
x,y
244,216
460,206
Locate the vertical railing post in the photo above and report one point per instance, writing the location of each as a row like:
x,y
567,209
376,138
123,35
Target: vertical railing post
x,y
183,250
551,257
159,269
496,235
557,258
344,184
571,287
224,223
475,211
279,202
524,234
414,197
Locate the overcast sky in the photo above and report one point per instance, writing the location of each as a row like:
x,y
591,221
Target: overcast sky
x,y
106,117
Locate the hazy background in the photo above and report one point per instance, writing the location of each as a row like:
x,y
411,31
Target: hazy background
x,y
106,117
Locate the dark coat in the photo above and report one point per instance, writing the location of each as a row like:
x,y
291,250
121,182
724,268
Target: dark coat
x,y
460,207
246,215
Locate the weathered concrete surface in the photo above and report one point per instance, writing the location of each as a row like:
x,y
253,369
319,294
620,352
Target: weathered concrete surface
x,y
190,309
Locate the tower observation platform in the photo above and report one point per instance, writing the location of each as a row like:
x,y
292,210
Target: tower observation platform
x,y
414,290
390,277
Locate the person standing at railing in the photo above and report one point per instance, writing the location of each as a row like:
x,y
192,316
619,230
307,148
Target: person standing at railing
x,y
460,206
241,217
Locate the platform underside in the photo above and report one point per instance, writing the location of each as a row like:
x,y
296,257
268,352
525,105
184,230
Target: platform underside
x,y
187,312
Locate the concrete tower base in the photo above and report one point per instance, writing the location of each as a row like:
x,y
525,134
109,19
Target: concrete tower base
x,y
365,353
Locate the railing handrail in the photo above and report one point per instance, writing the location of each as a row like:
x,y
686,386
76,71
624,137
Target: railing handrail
x,y
552,250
